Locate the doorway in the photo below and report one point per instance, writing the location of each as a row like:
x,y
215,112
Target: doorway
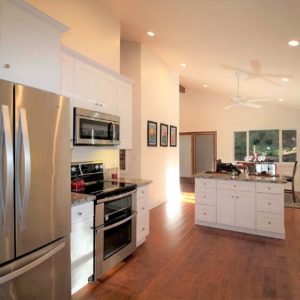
x,y
197,153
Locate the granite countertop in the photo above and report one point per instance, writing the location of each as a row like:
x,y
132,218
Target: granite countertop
x,y
138,182
78,198
241,177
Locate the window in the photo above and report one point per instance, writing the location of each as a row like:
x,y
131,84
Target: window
x,y
266,145
240,145
289,145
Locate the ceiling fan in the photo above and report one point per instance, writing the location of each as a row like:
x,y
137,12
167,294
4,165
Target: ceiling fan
x,y
243,101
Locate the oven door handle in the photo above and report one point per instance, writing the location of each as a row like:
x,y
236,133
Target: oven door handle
x,y
116,197
116,224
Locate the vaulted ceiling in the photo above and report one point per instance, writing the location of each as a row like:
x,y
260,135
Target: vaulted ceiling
x,y
216,38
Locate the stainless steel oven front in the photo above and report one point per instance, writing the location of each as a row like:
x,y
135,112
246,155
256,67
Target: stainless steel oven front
x,y
95,128
114,232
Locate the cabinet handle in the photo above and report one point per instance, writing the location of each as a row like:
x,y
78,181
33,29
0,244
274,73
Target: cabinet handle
x,y
237,197
143,207
234,186
7,66
143,228
204,196
269,188
269,203
269,222
79,213
204,214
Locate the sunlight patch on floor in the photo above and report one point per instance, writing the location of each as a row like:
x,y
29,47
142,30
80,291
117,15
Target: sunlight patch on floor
x,y
188,197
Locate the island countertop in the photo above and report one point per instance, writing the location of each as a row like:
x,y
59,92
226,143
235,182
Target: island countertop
x,y
241,177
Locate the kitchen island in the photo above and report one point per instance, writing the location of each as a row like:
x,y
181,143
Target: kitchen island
x,y
244,203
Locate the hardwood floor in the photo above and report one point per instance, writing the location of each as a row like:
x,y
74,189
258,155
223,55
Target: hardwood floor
x,y
181,260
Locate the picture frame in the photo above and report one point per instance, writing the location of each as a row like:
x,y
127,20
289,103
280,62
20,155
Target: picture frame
x,y
173,136
164,130
151,134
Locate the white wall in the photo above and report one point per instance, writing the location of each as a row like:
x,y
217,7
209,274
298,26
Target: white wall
x,y
94,32
155,98
204,111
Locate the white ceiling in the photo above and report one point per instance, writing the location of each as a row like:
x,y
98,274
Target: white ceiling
x,y
216,37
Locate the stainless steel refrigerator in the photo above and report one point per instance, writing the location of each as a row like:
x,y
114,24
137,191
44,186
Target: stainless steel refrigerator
x,y
34,194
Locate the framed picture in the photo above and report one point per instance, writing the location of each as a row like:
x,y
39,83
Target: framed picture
x,y
173,136
164,135
151,134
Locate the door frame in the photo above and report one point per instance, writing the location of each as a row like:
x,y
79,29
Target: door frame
x,y
193,151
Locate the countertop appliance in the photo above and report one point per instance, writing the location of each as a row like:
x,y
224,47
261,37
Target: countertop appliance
x,y
115,216
95,128
35,213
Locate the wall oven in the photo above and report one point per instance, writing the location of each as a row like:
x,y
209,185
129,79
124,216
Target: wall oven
x,y
95,128
114,231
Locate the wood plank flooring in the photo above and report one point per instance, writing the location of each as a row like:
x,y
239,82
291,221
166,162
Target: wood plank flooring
x,y
181,260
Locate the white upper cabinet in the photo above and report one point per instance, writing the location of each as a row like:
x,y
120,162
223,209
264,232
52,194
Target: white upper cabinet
x,y
124,110
30,47
93,89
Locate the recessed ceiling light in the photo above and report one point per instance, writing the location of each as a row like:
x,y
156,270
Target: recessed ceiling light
x,y
280,99
205,85
284,79
183,65
150,33
293,43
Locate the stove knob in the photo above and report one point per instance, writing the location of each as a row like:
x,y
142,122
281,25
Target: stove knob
x,y
73,169
97,167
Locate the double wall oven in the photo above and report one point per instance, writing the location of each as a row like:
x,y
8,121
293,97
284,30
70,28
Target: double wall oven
x,y
114,216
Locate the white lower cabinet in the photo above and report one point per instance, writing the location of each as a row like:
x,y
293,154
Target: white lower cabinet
x,y
142,226
251,207
82,245
226,207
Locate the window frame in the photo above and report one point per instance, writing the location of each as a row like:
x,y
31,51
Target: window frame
x,y
280,143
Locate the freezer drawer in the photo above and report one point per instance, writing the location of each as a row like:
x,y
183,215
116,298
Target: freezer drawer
x,y
45,274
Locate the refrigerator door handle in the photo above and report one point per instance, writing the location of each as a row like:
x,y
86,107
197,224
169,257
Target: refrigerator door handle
x,y
6,193
23,140
32,265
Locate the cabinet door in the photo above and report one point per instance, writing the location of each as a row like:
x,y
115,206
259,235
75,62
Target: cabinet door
x,y
87,86
226,207
30,49
108,95
67,84
124,110
245,210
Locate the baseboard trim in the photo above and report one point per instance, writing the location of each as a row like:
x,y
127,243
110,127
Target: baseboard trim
x,y
244,230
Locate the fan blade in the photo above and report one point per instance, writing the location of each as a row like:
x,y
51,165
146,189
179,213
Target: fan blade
x,y
259,100
229,106
252,105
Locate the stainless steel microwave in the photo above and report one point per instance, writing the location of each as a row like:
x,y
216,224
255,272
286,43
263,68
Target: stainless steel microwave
x,y
95,128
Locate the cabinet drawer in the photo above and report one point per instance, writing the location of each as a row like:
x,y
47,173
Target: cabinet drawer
x,y
273,203
271,188
205,183
206,196
82,211
205,213
270,222
236,185
142,227
143,191
142,204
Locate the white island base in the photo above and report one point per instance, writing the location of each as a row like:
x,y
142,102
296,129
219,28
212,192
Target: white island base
x,y
245,204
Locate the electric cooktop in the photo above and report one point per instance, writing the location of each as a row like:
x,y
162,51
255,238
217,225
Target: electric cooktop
x,y
103,189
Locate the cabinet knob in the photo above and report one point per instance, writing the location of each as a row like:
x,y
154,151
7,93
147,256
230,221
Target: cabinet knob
x,y
143,192
232,196
79,213
143,228
204,196
234,186
269,203
204,214
269,222
143,207
269,188
237,197
7,66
